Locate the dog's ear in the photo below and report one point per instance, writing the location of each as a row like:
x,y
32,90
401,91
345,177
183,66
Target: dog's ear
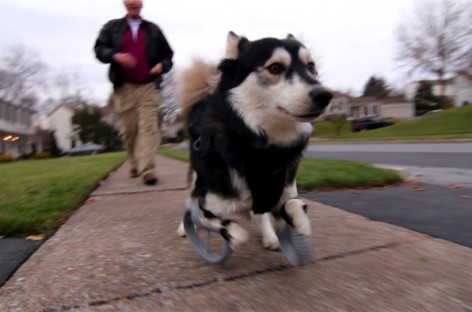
x,y
292,37
232,43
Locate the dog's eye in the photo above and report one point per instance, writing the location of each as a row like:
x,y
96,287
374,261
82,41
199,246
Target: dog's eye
x,y
276,69
311,68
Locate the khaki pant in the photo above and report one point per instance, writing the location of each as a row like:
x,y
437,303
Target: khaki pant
x,y
136,107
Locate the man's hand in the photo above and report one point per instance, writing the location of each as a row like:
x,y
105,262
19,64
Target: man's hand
x,y
156,70
125,59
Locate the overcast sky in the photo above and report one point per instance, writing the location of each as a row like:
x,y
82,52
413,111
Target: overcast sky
x,y
350,39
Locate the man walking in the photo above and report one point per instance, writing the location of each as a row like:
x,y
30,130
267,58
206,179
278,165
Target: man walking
x,y
138,54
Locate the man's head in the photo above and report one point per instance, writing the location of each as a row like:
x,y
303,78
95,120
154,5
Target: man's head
x,y
133,7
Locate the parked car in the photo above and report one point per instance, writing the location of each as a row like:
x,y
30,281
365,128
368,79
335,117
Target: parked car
x,y
433,112
369,123
84,149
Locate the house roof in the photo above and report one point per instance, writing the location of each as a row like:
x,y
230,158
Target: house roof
x,y
23,106
400,99
338,94
364,100
467,73
435,81
71,106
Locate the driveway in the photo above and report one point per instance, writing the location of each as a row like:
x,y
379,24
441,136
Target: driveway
x,y
440,211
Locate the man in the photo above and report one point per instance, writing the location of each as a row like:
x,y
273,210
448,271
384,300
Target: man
x,y
139,54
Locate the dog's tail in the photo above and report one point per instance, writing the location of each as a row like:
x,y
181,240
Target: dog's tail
x,y
195,83
181,91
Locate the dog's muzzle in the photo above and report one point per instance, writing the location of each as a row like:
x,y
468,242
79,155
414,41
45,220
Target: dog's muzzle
x,y
320,98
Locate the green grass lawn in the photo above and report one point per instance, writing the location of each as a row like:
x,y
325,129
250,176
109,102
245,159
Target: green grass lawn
x,y
320,174
37,194
450,124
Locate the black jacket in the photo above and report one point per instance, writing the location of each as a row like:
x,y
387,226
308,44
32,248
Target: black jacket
x,y
109,40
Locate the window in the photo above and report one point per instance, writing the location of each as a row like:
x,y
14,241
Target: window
x,y
7,111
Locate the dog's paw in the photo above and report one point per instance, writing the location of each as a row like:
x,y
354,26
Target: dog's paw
x,y
237,235
181,230
271,243
269,239
295,210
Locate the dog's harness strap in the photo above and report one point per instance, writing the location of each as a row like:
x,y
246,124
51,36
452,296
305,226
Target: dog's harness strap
x,y
196,144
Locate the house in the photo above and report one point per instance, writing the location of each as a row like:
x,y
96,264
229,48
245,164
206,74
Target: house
x,y
60,121
457,88
463,85
354,107
16,129
339,104
449,88
364,106
397,107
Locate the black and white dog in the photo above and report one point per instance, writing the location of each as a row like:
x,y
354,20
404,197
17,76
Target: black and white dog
x,y
249,120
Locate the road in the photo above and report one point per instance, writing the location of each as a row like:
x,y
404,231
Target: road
x,y
441,163
440,205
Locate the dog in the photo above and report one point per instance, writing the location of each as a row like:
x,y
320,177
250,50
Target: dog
x,y
249,121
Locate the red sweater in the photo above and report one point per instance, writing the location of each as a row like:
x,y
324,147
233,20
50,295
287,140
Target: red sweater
x,y
137,47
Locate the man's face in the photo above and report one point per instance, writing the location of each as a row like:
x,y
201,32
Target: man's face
x,y
133,7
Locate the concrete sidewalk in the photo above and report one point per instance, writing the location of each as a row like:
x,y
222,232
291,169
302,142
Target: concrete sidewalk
x,y
120,252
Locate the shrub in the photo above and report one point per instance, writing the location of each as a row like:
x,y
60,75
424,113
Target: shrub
x,y
6,158
42,155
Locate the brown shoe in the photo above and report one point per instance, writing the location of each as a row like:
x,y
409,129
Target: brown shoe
x,y
150,179
133,173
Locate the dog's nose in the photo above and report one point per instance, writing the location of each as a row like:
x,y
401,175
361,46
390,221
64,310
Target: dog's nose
x,y
321,97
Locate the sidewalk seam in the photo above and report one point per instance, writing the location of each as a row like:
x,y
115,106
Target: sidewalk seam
x,y
138,192
215,280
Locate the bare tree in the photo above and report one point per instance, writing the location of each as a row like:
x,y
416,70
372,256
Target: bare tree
x,y
66,87
438,40
21,75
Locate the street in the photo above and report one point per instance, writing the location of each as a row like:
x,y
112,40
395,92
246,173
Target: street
x,y
439,205
435,163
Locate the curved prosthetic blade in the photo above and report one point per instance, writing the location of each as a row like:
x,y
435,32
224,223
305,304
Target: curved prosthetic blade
x,y
295,246
200,246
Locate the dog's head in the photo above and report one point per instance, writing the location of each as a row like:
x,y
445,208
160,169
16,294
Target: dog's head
x,y
272,79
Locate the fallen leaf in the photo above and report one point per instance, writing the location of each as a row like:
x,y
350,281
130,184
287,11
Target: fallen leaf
x,y
35,237
417,188
91,200
452,186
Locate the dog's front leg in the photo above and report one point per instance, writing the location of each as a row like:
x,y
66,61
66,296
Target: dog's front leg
x,y
181,230
294,213
269,239
229,229
293,210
